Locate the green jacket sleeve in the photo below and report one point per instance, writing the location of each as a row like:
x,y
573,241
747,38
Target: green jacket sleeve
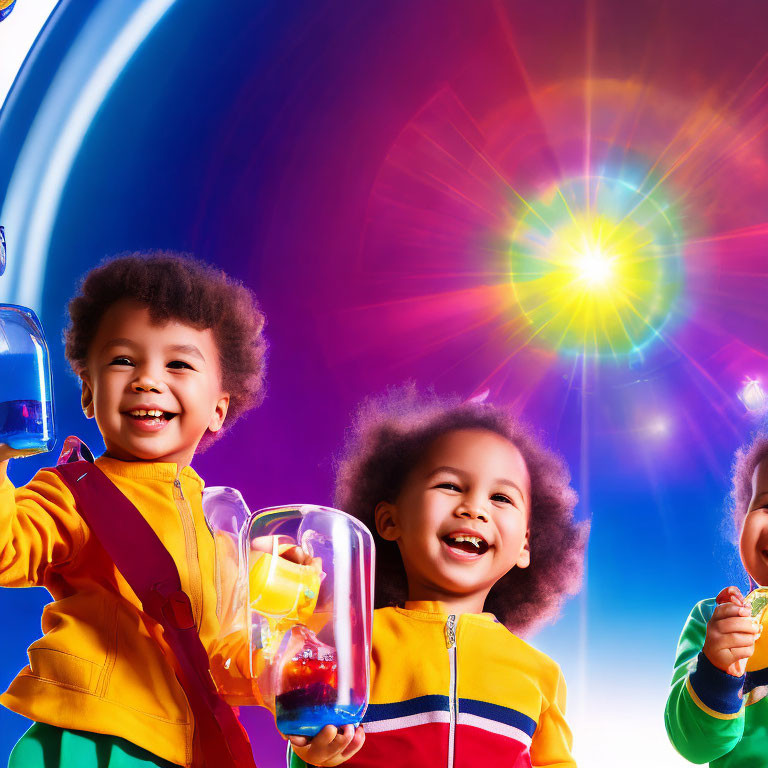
x,y
294,761
704,715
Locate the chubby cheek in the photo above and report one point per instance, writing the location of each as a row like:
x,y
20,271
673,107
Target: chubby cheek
x,y
512,536
751,543
419,549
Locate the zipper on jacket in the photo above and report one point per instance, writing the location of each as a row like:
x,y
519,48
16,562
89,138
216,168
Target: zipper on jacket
x,y
453,700
190,547
216,565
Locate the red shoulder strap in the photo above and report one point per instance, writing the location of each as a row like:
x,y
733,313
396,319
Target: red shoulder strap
x,y
153,576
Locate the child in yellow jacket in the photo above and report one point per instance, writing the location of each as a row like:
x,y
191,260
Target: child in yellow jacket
x,y
167,349
475,542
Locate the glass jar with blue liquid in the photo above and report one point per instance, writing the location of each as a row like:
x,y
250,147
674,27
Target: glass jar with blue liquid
x,y
26,399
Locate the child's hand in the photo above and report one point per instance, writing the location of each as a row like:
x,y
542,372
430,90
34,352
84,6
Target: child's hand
x,y
731,633
330,747
6,452
298,555
295,553
263,543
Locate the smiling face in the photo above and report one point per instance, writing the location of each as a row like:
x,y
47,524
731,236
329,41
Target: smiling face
x,y
461,519
154,389
753,542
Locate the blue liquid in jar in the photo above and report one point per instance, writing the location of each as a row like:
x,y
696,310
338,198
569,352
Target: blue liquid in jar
x,y
26,425
310,720
26,407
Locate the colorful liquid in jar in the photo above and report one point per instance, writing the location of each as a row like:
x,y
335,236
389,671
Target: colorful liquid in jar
x,y
25,425
26,408
309,697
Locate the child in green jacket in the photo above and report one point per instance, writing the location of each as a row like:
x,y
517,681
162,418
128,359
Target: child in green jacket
x,y
717,710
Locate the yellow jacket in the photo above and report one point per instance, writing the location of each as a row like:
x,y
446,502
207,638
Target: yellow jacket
x,y
98,666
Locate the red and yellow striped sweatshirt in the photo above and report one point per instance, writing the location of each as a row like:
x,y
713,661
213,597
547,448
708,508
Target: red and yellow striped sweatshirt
x,y
459,692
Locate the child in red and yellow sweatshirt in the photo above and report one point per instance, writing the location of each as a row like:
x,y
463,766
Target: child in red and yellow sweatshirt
x,y
476,541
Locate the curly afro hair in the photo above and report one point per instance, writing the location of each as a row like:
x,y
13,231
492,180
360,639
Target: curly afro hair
x,y
745,462
174,286
390,436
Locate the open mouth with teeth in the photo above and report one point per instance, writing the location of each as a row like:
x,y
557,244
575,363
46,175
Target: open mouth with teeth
x,y
151,417
465,542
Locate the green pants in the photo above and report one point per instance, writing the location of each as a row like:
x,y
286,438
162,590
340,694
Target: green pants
x,y
46,746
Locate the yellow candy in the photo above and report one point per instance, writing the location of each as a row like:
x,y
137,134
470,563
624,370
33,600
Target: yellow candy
x,y
281,589
757,599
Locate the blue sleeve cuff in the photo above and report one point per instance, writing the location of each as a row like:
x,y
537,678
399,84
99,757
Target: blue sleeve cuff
x,y
716,689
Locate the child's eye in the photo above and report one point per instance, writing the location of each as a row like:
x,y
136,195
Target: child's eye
x,y
121,361
448,486
179,364
502,498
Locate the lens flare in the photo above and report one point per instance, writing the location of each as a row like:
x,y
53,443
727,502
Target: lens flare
x,y
753,396
596,267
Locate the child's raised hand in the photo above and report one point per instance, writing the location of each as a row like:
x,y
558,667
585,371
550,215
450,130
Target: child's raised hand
x,y
6,452
731,633
332,746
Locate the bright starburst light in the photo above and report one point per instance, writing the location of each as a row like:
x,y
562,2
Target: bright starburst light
x,y
596,267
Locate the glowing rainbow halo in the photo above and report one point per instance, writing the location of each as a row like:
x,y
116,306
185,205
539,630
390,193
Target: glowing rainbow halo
x,y
596,266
